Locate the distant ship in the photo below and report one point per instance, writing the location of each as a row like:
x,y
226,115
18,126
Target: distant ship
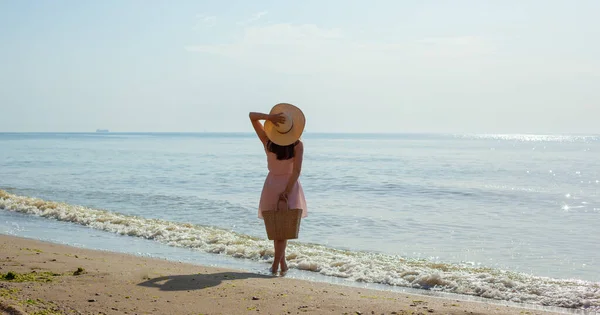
x,y
101,130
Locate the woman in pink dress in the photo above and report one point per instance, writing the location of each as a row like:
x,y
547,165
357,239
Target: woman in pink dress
x,y
280,137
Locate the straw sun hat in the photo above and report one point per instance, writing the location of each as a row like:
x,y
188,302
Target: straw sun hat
x,y
290,131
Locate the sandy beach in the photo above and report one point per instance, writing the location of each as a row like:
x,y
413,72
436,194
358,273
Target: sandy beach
x,y
45,278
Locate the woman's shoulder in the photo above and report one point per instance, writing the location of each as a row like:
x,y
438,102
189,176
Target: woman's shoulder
x,y
298,145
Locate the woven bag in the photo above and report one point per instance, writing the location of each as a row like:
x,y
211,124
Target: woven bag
x,y
282,224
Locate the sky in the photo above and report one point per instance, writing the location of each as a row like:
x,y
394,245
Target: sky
x,y
477,66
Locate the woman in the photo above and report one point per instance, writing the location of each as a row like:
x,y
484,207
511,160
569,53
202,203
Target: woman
x,y
280,138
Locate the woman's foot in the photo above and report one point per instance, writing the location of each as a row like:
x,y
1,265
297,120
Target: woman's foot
x,y
273,269
284,267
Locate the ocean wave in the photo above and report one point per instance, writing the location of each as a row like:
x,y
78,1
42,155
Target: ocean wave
x,y
467,279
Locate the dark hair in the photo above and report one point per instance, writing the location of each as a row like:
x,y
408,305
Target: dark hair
x,y
284,152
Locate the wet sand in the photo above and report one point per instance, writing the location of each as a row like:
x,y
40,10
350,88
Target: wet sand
x,y
49,278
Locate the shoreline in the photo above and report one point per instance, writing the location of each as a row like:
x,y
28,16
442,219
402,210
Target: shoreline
x,y
118,283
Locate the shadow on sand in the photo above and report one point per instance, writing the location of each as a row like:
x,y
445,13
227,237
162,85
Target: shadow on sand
x,y
197,281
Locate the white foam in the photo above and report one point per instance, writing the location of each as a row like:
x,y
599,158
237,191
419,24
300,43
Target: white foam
x,y
355,266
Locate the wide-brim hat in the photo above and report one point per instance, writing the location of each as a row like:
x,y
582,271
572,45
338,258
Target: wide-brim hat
x,y
290,131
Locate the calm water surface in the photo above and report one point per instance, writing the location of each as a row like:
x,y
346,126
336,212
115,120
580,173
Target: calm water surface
x,y
522,203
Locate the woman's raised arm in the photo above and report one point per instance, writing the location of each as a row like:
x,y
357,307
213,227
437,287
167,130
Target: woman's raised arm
x,y
258,127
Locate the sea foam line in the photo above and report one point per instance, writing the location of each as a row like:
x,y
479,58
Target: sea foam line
x,y
356,266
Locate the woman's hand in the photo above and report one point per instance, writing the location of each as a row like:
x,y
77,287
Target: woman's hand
x,y
276,119
284,195
283,198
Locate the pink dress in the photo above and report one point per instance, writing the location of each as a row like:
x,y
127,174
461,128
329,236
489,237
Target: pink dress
x,y
277,178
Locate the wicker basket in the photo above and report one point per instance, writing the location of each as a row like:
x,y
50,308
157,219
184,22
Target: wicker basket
x,y
282,224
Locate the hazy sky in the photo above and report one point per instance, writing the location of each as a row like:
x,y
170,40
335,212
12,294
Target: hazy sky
x,y
509,66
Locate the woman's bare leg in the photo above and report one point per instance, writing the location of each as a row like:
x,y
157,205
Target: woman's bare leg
x,y
276,256
279,255
282,261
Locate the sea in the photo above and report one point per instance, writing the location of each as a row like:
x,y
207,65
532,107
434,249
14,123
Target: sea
x,y
505,218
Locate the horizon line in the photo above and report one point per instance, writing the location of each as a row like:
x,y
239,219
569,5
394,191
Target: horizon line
x,y
316,132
